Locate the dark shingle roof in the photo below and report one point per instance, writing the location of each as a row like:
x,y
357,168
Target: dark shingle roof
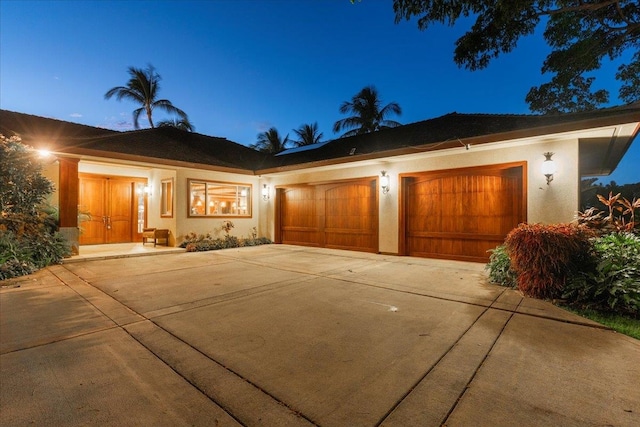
x,y
164,143
447,131
34,128
167,144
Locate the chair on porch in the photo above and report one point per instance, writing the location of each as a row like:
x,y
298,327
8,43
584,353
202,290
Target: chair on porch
x,y
155,234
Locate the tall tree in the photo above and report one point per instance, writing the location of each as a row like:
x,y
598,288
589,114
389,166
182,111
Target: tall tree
x,y
182,124
142,88
307,135
581,33
367,113
271,142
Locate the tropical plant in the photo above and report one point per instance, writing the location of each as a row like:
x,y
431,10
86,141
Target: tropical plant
x,y
613,284
307,135
544,256
499,267
367,113
581,33
590,188
620,215
206,242
142,88
271,142
28,232
182,124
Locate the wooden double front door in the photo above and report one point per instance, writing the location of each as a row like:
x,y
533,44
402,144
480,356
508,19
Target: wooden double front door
x,y
110,209
341,215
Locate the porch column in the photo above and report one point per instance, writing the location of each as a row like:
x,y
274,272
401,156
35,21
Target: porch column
x,y
68,199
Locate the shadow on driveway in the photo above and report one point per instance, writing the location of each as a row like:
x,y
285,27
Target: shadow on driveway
x,y
286,335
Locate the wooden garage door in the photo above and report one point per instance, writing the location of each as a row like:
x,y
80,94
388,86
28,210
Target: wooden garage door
x,y
461,214
337,215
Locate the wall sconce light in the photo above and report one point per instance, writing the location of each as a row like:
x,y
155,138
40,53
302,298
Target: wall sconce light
x,y
265,192
384,182
147,190
548,167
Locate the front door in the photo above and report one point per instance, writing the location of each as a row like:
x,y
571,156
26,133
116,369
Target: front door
x,y
108,209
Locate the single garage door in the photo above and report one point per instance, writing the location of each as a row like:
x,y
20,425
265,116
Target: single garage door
x,y
341,215
461,214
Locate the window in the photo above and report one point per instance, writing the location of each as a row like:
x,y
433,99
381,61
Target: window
x,y
166,198
207,199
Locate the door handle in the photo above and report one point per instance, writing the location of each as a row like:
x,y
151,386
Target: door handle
x,y
104,221
108,223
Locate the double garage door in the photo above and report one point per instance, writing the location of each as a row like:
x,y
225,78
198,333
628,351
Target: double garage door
x,y
455,214
342,215
461,214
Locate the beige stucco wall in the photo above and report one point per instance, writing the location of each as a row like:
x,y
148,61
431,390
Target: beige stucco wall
x,y
552,203
186,224
51,171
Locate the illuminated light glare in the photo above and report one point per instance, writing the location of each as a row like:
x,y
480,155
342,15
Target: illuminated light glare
x,y
384,182
548,167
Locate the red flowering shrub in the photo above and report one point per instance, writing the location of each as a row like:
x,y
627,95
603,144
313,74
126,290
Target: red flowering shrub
x,y
544,256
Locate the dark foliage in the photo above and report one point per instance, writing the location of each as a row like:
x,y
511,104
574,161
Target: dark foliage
x,y
581,34
28,236
613,283
545,256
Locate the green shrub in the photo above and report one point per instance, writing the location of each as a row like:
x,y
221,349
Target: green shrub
x,y
206,242
613,284
499,266
21,256
28,237
544,256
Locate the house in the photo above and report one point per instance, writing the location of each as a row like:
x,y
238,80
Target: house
x,y
449,187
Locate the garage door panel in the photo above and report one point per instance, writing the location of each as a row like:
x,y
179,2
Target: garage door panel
x,y
337,215
298,217
462,214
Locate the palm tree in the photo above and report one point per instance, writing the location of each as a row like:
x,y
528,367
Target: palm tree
x,y
183,124
367,114
142,88
271,142
308,134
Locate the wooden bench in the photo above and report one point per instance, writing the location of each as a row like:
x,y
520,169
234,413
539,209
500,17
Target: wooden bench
x,y
155,234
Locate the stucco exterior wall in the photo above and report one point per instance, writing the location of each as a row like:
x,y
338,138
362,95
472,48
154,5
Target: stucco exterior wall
x,y
51,171
186,224
552,203
154,218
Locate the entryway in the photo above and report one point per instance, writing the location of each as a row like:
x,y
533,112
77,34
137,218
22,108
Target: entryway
x,y
112,209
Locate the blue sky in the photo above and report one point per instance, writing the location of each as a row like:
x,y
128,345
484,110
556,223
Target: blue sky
x,y
239,67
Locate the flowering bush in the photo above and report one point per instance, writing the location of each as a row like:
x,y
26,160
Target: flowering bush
x,y
206,242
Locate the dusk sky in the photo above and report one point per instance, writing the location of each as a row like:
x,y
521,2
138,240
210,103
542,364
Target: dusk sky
x,y
239,67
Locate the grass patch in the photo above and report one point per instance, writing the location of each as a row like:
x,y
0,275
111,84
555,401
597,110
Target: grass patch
x,y
623,324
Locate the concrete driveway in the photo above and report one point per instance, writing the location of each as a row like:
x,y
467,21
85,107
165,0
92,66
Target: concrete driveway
x,y
284,335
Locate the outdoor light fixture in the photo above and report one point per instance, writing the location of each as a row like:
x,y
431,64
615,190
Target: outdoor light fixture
x,y
548,167
265,192
384,182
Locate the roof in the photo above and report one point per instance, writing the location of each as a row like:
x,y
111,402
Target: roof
x,y
166,145
454,130
171,146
